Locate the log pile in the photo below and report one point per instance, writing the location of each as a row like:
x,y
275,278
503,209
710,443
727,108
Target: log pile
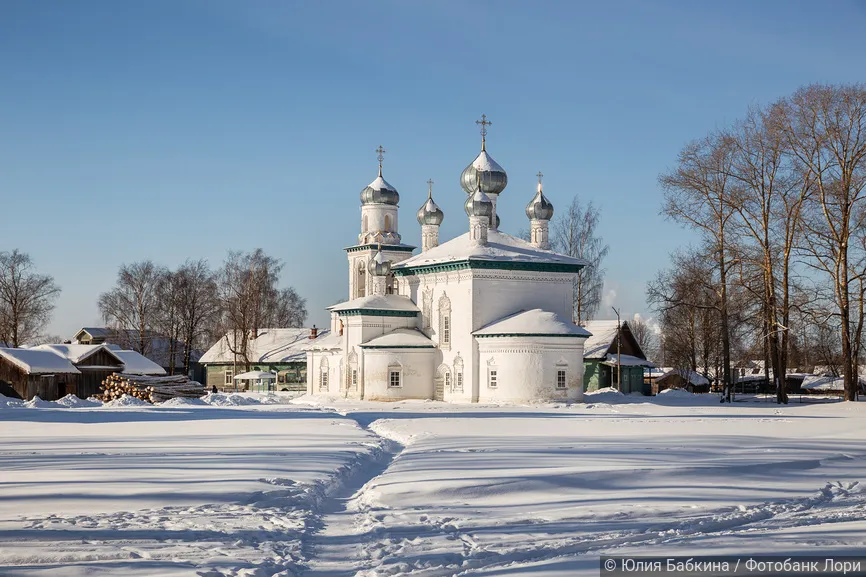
x,y
150,389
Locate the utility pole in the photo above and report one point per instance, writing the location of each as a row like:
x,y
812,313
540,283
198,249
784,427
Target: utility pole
x,y
618,355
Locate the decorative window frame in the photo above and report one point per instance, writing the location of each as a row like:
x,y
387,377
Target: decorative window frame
x,y
492,377
324,375
458,374
446,327
561,369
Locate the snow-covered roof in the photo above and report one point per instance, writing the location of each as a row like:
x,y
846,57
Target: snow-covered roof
x,y
626,361
37,361
400,338
269,346
380,183
692,377
532,322
97,332
377,302
137,364
76,353
328,343
826,383
485,162
603,335
252,375
158,346
500,247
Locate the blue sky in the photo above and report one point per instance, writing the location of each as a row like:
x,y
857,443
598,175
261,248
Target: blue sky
x,y
175,129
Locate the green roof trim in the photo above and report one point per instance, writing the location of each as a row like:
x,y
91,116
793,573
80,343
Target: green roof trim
x,y
376,313
530,335
383,247
486,264
398,347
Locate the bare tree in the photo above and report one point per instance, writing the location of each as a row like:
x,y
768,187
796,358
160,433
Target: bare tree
x,y
645,335
198,306
132,306
26,299
825,130
168,321
576,234
697,194
250,300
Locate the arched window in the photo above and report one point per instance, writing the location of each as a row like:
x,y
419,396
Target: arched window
x,y
395,375
361,286
387,223
364,223
323,374
458,374
561,375
390,284
352,373
445,329
442,383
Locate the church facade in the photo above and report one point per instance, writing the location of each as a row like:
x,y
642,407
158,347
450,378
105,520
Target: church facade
x,y
484,317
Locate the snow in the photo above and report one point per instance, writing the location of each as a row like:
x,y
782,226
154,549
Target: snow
x,y
135,363
381,184
692,377
535,322
253,375
603,335
75,353
37,403
126,401
183,402
269,346
400,338
36,361
500,247
826,383
73,402
626,361
485,163
339,487
8,402
386,302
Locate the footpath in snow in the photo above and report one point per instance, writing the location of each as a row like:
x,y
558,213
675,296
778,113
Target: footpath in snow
x,y
333,487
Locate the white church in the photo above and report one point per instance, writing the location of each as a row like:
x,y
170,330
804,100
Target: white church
x,y
483,317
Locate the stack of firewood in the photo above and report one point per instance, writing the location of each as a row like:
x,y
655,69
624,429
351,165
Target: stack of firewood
x,y
150,389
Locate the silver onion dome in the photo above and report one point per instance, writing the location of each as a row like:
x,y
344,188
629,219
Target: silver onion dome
x,y
484,168
378,265
380,192
430,213
539,208
479,204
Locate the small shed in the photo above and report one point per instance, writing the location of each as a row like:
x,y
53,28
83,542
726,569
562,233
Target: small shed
x,y
601,361
94,362
682,379
32,372
256,381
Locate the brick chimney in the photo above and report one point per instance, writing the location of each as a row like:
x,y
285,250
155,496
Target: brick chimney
x,y
314,332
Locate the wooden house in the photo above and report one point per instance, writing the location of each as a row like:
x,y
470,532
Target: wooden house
x,y
32,372
280,351
94,363
601,361
681,379
159,349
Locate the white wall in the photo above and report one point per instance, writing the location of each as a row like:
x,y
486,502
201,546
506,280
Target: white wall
x,y
526,368
417,374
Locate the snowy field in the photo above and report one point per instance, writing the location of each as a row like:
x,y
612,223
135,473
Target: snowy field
x,y
334,487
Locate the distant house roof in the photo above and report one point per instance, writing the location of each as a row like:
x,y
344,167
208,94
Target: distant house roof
x,y
691,377
400,339
159,346
603,340
269,346
532,322
36,362
77,353
827,383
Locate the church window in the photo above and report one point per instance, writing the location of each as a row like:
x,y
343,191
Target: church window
x,y
389,284
492,378
323,375
395,375
364,223
458,374
361,288
459,387
445,322
354,379
387,223
448,381
560,378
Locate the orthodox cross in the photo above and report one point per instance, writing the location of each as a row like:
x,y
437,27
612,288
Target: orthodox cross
x,y
430,188
540,176
381,151
484,124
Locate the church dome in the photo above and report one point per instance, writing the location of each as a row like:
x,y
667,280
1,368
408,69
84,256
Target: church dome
x,y
378,265
380,192
479,204
539,207
430,213
484,168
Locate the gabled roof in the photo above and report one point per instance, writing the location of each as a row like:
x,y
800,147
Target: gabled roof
x,y
96,332
36,362
159,348
603,339
137,364
394,303
500,248
691,377
269,346
535,322
78,353
400,339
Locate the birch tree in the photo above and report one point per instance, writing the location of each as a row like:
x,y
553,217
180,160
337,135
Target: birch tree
x,y
131,308
26,299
